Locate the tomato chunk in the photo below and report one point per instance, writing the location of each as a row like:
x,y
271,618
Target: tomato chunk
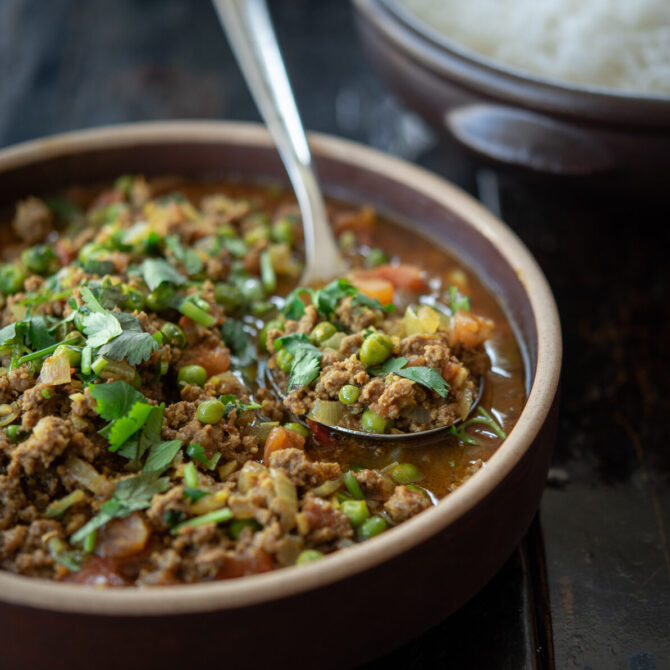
x,y
282,438
373,287
404,276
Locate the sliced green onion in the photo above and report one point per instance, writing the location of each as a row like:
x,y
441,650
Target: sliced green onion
x,y
99,365
193,312
89,542
217,516
86,354
191,475
353,486
38,354
268,276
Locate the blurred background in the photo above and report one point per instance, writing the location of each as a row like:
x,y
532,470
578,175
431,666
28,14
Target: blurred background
x,y
590,586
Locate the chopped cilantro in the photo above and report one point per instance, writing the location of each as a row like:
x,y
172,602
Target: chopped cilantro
x,y
233,402
458,301
428,377
100,327
238,341
197,453
306,359
194,494
156,271
114,399
133,346
126,426
161,455
190,259
130,494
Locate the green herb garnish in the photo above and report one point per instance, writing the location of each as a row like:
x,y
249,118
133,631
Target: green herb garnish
x,y
242,348
197,453
428,377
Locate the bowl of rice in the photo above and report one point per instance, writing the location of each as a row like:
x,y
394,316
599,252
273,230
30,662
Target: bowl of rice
x,y
558,87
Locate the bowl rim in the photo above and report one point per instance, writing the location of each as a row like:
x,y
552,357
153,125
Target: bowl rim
x,y
457,62
291,581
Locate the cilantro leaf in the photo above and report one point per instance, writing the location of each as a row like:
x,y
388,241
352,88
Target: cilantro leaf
x,y
130,494
304,369
292,342
233,402
156,271
126,426
197,453
238,341
38,334
91,301
194,494
190,259
100,327
161,455
114,399
428,377
294,307
134,347
8,334
457,301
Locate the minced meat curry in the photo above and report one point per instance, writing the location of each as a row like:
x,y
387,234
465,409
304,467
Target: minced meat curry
x,y
164,384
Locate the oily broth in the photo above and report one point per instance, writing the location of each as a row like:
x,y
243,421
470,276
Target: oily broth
x,y
446,465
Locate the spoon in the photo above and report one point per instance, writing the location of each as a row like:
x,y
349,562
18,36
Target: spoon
x,y
248,27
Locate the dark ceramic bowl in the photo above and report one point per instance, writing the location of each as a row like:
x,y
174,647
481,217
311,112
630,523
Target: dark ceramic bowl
x,y
513,118
392,587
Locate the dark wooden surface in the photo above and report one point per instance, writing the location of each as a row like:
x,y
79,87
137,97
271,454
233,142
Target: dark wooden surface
x,y
604,517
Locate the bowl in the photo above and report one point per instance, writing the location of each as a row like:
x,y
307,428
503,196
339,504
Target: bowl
x,y
394,586
509,117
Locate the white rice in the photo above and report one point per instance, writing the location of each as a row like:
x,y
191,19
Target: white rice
x,y
621,44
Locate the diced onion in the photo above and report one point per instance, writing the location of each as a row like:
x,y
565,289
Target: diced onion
x,y
286,503
86,475
59,507
328,412
56,370
327,488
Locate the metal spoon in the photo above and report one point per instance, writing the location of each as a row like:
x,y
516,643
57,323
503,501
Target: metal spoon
x,y
251,35
248,27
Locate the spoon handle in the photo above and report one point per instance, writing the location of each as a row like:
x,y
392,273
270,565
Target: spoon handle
x,y
249,30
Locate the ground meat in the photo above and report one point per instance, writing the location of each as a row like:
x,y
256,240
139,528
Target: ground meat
x,y
33,220
326,523
335,376
374,485
405,503
356,317
301,469
351,344
398,393
49,440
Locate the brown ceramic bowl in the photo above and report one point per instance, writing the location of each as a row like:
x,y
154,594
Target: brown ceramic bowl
x,y
390,588
513,118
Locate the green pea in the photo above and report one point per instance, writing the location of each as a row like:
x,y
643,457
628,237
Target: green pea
x,y
371,422
376,348
11,278
297,428
308,556
263,335
210,411
348,394
173,334
14,433
321,332
405,473
284,360
371,527
283,231
90,252
375,258
356,510
252,289
256,235
260,307
227,295
160,298
236,526
74,355
40,259
192,374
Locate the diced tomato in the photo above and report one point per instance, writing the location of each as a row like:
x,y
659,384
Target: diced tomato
x,y
214,359
321,433
253,563
282,438
381,289
121,538
98,571
404,276
361,222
